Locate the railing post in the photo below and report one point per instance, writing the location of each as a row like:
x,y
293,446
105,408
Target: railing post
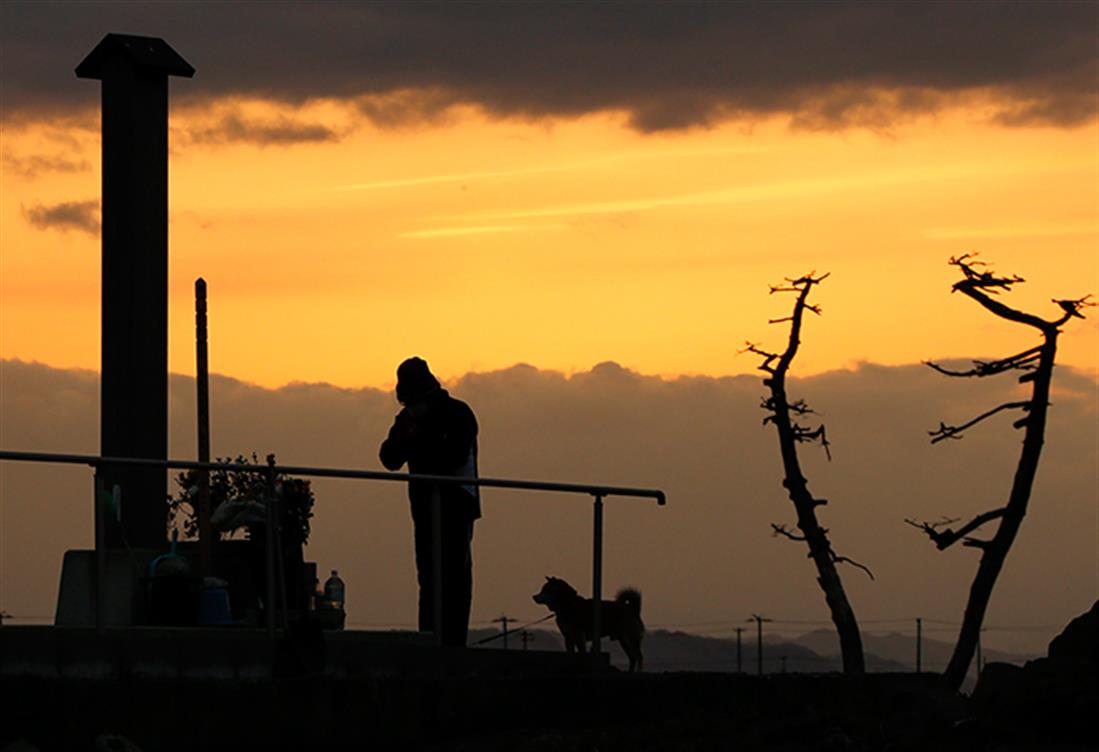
x,y
269,551
100,551
280,558
597,573
437,563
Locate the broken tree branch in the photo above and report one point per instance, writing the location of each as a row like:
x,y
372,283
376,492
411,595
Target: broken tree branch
x,y
970,267
800,407
1024,361
836,559
1072,308
954,432
768,357
802,434
980,284
984,545
945,538
786,533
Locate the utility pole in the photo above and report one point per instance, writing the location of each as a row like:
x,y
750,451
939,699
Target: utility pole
x,y
784,664
526,638
503,620
759,641
919,645
739,664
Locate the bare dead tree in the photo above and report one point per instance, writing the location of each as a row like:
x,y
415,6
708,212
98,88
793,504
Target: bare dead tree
x,y
1036,364
786,417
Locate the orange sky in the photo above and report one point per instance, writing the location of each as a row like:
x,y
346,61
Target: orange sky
x,y
567,184
479,242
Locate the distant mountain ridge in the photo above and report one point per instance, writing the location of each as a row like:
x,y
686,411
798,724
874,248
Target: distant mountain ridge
x,y
901,648
813,652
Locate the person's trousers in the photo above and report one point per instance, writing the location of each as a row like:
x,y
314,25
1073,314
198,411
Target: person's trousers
x,y
457,574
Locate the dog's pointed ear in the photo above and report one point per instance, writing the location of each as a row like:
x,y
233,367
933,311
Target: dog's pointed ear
x,y
548,578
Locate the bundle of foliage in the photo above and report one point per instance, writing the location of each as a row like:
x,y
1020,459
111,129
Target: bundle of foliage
x,y
295,497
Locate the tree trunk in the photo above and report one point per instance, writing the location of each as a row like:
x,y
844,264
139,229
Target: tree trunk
x,y
820,548
995,551
789,435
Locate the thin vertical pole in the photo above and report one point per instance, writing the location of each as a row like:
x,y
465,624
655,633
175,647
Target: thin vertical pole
x,y
759,642
202,387
269,551
504,619
739,664
597,573
919,645
759,646
437,563
280,557
100,551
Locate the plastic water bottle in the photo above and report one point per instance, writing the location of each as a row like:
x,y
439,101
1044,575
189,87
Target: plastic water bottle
x,y
334,592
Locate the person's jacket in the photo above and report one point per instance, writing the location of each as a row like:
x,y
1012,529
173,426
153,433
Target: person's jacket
x,y
441,441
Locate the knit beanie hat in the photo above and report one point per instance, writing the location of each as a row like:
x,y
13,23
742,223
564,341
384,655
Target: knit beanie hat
x,y
414,380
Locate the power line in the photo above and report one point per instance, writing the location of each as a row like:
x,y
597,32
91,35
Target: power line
x,y
942,625
722,623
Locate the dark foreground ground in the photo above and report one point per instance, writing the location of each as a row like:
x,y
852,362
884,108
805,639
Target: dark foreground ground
x,y
164,689
606,711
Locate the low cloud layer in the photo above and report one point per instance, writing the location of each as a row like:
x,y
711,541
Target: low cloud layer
x,y
81,216
278,131
668,65
33,166
706,558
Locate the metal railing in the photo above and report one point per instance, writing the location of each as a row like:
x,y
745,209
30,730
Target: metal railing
x,y
270,471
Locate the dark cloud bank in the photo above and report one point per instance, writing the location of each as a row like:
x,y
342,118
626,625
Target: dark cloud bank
x,y
33,166
669,65
233,127
82,216
706,557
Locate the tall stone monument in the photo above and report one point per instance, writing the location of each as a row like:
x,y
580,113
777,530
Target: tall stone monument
x,y
133,416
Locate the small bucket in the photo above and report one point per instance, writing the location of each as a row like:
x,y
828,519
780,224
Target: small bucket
x,y
213,609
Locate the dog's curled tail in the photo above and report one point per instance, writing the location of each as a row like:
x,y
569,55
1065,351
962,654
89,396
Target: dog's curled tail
x,y
631,599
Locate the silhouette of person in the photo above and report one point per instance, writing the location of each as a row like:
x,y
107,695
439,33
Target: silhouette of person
x,y
437,435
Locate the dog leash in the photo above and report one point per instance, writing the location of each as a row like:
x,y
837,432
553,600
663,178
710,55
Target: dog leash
x,y
516,629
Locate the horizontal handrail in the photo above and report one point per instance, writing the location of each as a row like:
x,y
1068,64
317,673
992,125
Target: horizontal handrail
x,y
93,460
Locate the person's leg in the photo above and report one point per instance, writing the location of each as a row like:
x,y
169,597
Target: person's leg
x,y
463,595
422,536
457,578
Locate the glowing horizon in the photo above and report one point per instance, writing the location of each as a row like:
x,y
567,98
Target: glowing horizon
x,y
480,243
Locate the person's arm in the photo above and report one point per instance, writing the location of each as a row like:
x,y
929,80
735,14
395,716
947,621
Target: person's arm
x,y
397,445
